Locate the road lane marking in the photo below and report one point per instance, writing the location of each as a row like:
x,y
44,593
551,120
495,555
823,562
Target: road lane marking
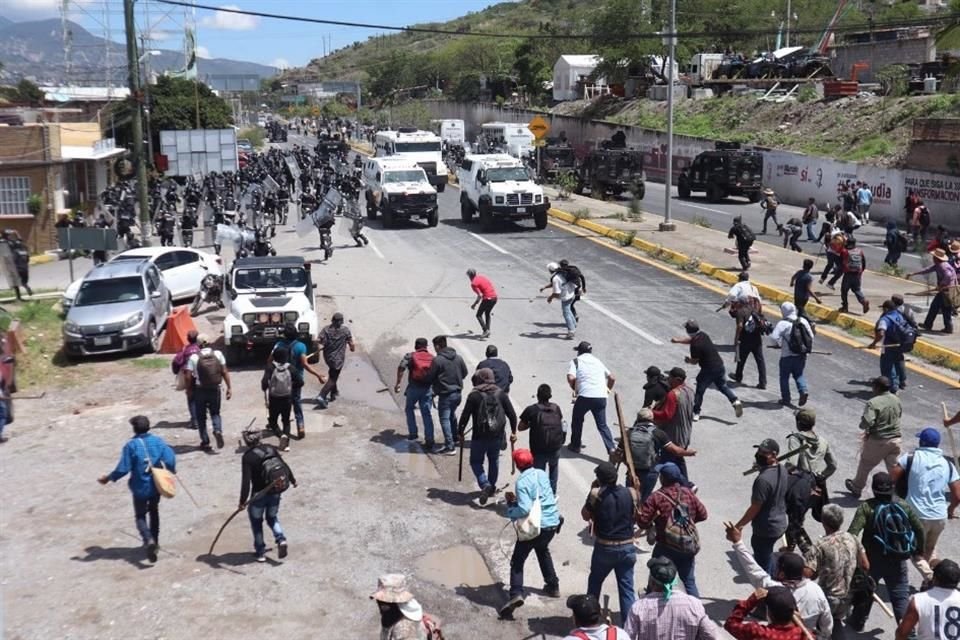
x,y
461,346
375,249
489,244
632,327
697,206
774,308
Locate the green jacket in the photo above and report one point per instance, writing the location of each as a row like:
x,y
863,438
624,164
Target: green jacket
x,y
881,417
863,521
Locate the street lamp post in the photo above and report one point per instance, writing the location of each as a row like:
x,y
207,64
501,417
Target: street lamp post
x,y
667,224
133,81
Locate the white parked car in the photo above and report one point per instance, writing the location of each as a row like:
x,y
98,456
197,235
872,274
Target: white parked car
x,y
182,269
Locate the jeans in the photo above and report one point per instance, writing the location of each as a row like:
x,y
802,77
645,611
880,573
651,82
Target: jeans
x,y
811,234
770,214
754,348
296,400
447,404
940,306
891,365
648,482
620,559
566,307
489,449
685,567
707,377
792,366
191,409
851,282
207,399
894,576
483,313
598,407
143,507
278,408
421,396
763,551
541,546
329,390
542,460
833,265
269,506
3,416
892,257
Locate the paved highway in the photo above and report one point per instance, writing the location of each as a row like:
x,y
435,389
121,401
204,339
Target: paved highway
x,y
411,282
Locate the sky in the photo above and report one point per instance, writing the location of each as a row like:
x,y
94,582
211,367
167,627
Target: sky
x,y
222,35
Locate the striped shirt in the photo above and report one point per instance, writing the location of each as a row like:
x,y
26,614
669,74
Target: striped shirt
x,y
682,617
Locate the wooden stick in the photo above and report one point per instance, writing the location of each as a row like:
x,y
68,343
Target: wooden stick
x,y
797,620
627,455
883,605
180,481
950,436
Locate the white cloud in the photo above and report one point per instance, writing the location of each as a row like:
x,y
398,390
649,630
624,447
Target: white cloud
x,y
203,52
229,21
280,63
34,9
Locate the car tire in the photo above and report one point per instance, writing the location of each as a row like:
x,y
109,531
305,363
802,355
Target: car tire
x,y
434,218
714,194
387,216
441,187
153,337
754,196
466,211
540,220
486,216
371,209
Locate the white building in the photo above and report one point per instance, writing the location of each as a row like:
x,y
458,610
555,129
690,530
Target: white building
x,y
570,70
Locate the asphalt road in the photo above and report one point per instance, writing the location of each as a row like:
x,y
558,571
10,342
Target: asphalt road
x,y
720,216
410,282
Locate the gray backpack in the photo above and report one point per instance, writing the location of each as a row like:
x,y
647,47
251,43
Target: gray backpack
x,y
281,381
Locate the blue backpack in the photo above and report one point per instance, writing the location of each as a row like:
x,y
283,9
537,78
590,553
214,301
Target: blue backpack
x,y
892,531
900,331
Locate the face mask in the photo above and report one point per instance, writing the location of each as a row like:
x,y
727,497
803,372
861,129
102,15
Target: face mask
x,y
760,459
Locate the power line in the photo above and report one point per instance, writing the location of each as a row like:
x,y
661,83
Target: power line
x,y
849,28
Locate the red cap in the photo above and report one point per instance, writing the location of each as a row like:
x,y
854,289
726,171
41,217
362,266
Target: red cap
x,y
523,458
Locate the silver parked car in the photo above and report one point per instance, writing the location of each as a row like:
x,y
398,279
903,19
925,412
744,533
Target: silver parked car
x,y
120,306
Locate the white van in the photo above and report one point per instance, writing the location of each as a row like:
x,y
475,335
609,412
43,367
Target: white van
x,y
452,132
512,138
422,147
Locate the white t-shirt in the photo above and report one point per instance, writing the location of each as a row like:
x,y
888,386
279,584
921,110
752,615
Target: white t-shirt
x,y
939,612
591,375
191,365
566,290
598,632
742,291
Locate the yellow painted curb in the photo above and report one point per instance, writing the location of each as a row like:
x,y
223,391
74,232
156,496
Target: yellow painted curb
x,y
42,258
927,350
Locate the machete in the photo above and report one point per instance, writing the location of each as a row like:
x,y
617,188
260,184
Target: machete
x,y
788,454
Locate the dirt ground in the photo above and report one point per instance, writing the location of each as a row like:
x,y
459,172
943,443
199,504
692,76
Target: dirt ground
x,y
367,504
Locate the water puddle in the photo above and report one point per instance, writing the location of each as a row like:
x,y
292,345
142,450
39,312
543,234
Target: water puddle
x,y
418,464
455,566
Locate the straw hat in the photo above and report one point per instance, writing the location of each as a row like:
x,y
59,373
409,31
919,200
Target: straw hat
x,y
768,192
955,246
392,588
939,254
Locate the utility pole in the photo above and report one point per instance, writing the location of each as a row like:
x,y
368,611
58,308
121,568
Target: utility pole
x,y
667,224
787,39
133,80
146,97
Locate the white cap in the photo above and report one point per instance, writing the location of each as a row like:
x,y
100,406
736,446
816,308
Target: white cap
x,y
552,266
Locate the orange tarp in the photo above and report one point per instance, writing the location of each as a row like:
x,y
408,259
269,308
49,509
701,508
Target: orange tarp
x,y
178,325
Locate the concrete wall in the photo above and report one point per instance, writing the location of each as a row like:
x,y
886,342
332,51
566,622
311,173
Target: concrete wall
x,y
79,134
794,176
879,55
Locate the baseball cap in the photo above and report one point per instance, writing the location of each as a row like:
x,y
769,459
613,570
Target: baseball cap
x,y
606,472
583,347
585,607
769,444
929,437
882,484
652,371
678,373
669,471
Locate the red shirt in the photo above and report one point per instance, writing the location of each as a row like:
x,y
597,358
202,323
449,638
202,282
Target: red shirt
x,y
482,286
658,506
754,630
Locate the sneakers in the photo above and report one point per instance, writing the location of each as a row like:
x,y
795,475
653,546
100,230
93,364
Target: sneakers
x,y
851,488
831,286
803,399
412,436
449,450
486,493
301,433
219,438
284,443
485,334
261,557
152,551
843,310
506,611
574,448
282,549
551,592
738,408
321,402
735,377
866,306
438,449
570,336
762,385
428,445
696,417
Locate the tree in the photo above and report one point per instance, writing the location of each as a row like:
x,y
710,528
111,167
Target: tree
x,y
29,92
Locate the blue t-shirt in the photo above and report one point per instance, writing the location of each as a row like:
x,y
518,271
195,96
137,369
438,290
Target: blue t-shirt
x,y
801,286
297,350
930,475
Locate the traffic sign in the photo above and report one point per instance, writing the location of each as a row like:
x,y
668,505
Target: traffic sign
x,y
538,127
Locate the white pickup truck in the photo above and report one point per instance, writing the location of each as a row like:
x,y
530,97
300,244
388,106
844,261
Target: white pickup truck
x,y
398,189
499,186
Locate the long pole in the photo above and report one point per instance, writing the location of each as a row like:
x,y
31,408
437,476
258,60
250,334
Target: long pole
x,y
146,101
133,82
787,38
667,224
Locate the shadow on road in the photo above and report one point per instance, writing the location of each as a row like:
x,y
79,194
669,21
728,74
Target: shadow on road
x,y
548,626
490,595
233,559
131,555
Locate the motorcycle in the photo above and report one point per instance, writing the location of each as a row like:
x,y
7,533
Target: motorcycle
x,y
211,290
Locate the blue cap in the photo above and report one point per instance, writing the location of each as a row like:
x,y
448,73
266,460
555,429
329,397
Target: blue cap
x,y
929,437
670,472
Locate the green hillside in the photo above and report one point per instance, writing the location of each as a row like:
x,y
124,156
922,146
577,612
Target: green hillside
x,y
395,66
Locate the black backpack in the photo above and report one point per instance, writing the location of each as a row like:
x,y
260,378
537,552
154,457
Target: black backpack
x,y
747,236
275,472
548,436
901,243
924,216
800,340
892,530
490,417
573,275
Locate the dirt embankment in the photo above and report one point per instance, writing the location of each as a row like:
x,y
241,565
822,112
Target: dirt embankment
x,y
860,128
